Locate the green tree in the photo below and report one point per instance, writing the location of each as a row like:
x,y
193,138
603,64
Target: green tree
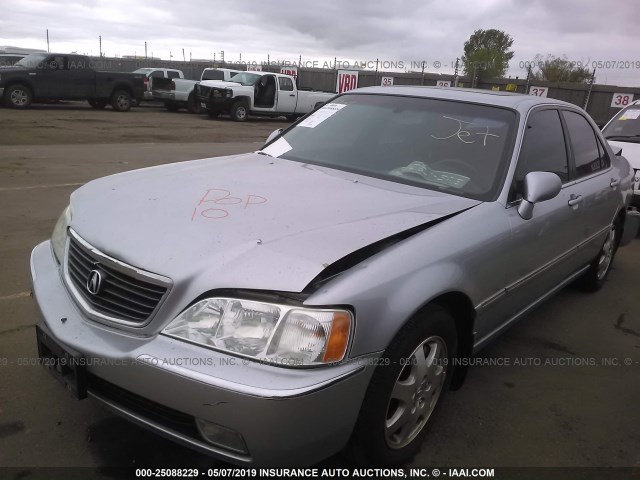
x,y
559,69
487,53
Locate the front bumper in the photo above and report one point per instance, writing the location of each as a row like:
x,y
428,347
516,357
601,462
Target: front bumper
x,y
285,416
216,104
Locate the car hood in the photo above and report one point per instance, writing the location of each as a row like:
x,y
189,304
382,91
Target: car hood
x,y
630,151
247,221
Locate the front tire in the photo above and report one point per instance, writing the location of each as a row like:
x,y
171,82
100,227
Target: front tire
x,y
98,104
192,104
240,111
121,101
18,96
405,390
596,276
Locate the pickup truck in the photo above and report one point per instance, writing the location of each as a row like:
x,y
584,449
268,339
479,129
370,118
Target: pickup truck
x,y
178,93
156,74
270,94
59,76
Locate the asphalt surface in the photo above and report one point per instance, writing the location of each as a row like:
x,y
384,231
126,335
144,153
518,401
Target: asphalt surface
x,y
569,396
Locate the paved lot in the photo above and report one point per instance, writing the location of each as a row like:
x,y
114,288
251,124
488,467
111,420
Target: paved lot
x,y
570,414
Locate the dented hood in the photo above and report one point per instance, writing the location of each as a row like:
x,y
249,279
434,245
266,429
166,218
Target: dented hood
x,y
248,221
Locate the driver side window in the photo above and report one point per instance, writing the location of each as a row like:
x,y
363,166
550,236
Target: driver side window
x,y
543,149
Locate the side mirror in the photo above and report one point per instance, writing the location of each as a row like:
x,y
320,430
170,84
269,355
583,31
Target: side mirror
x,y
273,135
538,187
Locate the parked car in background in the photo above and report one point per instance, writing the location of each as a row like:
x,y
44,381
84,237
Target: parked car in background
x,y
61,76
250,93
156,73
10,59
623,132
179,93
325,290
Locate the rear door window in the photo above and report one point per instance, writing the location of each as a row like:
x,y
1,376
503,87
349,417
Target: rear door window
x,y
588,156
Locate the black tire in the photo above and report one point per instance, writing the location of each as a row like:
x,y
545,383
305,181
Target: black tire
x,y
192,104
596,276
213,114
121,101
239,111
372,443
18,96
98,104
171,106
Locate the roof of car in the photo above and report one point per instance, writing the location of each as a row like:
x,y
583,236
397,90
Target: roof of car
x,y
490,97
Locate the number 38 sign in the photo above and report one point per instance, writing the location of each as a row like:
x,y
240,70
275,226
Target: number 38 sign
x,y
621,100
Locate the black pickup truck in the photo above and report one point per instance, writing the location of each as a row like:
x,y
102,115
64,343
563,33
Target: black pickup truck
x,y
52,76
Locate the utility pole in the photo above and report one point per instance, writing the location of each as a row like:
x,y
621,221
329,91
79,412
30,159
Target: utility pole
x,y
528,79
455,78
145,49
593,77
100,41
183,59
377,61
47,40
473,79
422,78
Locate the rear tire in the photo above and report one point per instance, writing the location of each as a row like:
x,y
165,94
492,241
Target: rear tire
x,y
192,104
596,276
240,111
121,101
405,390
18,96
171,106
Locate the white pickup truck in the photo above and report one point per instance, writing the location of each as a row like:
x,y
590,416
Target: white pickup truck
x,y
178,93
265,94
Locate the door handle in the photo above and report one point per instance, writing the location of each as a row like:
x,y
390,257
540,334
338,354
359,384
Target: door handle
x,y
292,95
614,183
575,200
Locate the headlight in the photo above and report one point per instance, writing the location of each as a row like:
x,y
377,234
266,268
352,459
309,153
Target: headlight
x,y
278,334
59,235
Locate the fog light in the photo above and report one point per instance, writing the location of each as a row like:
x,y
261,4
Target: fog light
x,y
222,436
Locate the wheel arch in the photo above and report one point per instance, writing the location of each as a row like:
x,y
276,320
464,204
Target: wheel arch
x,y
18,81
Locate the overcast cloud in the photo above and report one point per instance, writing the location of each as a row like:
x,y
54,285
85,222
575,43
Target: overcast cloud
x,y
393,30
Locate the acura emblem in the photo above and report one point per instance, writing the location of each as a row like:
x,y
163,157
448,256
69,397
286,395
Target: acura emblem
x,y
94,282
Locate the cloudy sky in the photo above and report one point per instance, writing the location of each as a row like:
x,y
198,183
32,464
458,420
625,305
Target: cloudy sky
x,y
393,30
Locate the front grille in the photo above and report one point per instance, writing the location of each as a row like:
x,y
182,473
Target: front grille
x,y
126,294
165,416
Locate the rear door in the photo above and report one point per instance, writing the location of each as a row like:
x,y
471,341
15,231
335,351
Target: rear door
x,y
596,188
286,97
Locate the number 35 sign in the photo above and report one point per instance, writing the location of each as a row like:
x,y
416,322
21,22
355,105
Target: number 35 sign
x,y
621,100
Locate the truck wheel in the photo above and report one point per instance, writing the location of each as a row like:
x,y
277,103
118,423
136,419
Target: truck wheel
x,y
406,387
171,106
121,101
98,104
192,104
17,96
239,111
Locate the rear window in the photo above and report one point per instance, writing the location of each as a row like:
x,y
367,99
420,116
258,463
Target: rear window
x,y
213,75
625,126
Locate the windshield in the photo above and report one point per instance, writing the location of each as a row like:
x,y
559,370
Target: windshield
x,y
33,60
455,147
625,126
245,78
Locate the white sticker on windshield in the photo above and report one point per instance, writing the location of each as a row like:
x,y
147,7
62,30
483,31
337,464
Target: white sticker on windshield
x,y
321,115
277,148
630,115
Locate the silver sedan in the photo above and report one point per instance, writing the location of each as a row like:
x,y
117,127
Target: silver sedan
x,y
326,291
